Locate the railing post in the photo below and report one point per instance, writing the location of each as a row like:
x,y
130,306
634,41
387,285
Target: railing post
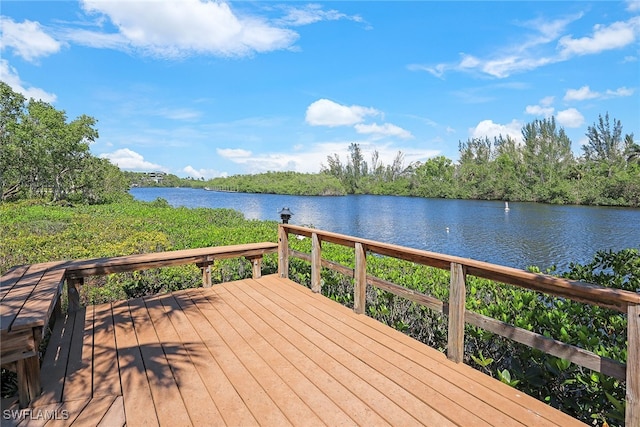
x,y
632,411
206,273
283,252
73,293
457,291
316,263
256,266
360,276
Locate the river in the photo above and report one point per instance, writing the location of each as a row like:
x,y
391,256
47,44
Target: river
x,y
525,235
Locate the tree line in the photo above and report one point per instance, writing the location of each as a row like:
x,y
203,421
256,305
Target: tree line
x,y
541,168
43,155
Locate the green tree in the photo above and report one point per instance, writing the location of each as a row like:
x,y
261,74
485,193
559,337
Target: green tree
x,y
632,149
547,158
605,144
434,178
11,106
44,155
474,172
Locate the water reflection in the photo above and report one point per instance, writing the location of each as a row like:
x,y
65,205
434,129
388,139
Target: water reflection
x,y
528,234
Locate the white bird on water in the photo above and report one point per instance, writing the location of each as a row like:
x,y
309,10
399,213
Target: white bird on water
x,y
506,206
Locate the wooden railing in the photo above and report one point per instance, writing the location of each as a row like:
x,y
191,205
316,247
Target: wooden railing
x,y
622,301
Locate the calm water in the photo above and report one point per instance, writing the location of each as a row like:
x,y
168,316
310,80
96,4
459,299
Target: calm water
x,y
528,234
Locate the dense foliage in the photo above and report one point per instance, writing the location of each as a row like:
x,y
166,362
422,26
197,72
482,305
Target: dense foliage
x,y
43,155
281,183
542,168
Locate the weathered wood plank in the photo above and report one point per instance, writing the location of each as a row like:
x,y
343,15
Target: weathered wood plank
x,y
551,346
10,278
360,279
94,411
103,266
54,363
114,417
238,365
138,403
280,390
39,305
78,384
106,379
15,299
283,252
164,311
192,327
410,294
168,402
297,375
344,333
433,390
632,415
391,401
303,354
457,297
316,263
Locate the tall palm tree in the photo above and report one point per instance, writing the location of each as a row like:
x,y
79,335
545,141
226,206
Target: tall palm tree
x,y
632,149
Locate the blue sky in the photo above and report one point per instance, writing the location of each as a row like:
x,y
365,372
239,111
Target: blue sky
x,y
204,89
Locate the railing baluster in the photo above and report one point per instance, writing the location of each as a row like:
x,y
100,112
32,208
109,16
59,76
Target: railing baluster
x,y
360,276
457,291
632,415
316,263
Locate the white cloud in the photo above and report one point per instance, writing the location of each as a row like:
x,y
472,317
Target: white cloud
x,y
539,110
9,75
570,118
128,159
179,28
386,129
621,91
543,108
633,5
324,112
580,94
201,173
536,49
183,114
233,153
614,36
309,158
585,93
27,39
312,13
489,129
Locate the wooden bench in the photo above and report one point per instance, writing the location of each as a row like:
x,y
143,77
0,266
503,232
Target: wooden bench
x,y
28,296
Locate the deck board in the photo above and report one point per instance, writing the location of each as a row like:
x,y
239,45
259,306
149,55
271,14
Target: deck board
x,y
261,352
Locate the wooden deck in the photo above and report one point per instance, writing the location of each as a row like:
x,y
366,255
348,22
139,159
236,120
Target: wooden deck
x,y
258,352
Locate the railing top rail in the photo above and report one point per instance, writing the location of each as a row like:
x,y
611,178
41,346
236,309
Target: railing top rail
x,y
589,293
99,266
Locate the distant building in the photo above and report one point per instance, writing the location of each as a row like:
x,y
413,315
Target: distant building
x,y
156,177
